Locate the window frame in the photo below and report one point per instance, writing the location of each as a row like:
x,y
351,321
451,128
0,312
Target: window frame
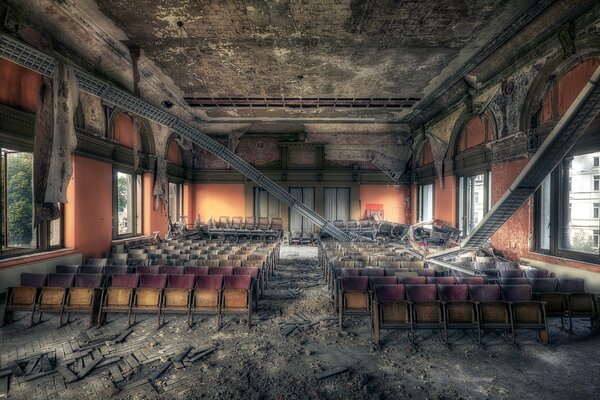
x,y
179,199
420,207
134,201
461,195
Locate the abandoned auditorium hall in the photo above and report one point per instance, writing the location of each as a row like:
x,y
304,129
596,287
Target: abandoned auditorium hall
x,y
308,199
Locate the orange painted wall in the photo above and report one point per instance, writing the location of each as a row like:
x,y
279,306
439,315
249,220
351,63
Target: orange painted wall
x,y
572,82
513,238
89,219
392,198
414,198
219,200
123,131
426,155
173,153
189,208
19,87
154,218
476,132
444,199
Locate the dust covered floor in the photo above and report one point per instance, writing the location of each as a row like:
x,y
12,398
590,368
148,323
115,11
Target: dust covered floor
x,y
295,337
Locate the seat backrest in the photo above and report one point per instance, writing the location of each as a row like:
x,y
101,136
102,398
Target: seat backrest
x,y
382,280
277,224
236,222
156,281
535,273
185,281
249,224
412,264
511,273
372,272
225,271
418,293
390,292
484,293
96,261
33,280
90,269
470,280
253,272
441,280
514,281
209,281
237,282
428,272
196,270
412,280
263,222
571,285
458,292
543,285
148,269
223,222
490,273
516,292
392,271
60,280
355,283
125,280
110,270
89,280
67,269
172,269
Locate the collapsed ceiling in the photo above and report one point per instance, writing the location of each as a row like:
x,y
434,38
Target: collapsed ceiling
x,y
338,71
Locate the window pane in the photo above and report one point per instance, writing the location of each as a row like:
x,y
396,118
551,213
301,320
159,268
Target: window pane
x,y
578,224
19,200
173,201
544,222
55,232
125,203
138,216
426,203
472,199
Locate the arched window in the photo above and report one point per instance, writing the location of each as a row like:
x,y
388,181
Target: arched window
x,y
425,176
568,201
472,161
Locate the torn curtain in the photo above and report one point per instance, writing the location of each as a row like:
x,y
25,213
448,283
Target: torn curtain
x,y
439,148
160,184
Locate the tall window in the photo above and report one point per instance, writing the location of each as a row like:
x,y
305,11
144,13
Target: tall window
x,y
127,204
572,211
17,201
425,204
265,204
474,200
299,223
596,183
337,204
175,200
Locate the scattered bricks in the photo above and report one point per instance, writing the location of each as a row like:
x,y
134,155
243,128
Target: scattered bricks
x,y
123,336
131,361
117,377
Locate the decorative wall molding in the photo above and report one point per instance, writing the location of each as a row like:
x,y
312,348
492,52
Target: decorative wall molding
x,y
510,148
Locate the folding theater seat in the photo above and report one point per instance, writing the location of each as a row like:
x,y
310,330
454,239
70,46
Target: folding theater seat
x,y
581,304
118,297
237,296
117,259
223,223
441,280
85,296
372,271
148,295
53,295
353,297
230,263
90,269
110,270
557,303
249,223
25,296
381,280
492,313
172,269
338,274
207,297
263,223
525,312
459,311
426,310
512,273
514,281
428,272
391,311
277,224
225,271
101,262
195,270
470,280
237,223
148,269
256,284
392,271
412,280
135,260
67,269
534,273
177,296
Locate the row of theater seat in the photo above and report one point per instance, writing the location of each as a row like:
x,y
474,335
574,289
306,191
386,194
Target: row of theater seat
x,y
407,306
201,292
249,223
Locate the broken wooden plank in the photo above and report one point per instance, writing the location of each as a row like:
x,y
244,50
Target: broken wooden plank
x,y
45,364
161,370
288,330
38,375
69,376
91,365
15,368
202,355
4,373
108,361
200,349
134,384
131,361
123,336
31,364
179,357
331,372
4,386
116,374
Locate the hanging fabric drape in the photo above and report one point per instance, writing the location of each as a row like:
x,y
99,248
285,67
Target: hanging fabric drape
x,y
64,140
439,148
295,216
330,204
343,204
137,126
308,198
160,184
42,153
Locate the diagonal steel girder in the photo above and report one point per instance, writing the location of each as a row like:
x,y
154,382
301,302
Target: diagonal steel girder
x,y
31,58
584,110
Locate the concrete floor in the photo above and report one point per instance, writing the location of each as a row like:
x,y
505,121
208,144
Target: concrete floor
x,y
264,363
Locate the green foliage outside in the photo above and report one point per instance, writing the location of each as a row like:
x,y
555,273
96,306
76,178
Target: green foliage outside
x,y
19,176
122,192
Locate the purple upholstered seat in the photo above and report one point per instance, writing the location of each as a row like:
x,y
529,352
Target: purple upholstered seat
x,y
129,281
372,271
470,280
421,293
412,280
458,292
382,280
196,270
544,285
91,269
514,281
516,292
441,280
155,281
534,273
209,281
67,269
60,280
571,285
253,272
511,273
225,271
428,272
110,270
172,270
89,280
148,269
389,293
237,282
484,293
185,281
354,283
341,272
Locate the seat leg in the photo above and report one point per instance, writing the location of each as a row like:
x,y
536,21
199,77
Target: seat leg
x,y
341,311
